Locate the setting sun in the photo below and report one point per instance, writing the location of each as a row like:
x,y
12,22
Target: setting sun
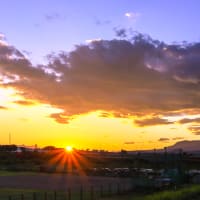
x,y
69,148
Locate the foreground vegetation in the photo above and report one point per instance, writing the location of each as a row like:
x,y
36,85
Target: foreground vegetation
x,y
186,193
16,173
33,194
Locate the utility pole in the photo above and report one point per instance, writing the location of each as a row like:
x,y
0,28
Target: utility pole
x,y
166,158
9,139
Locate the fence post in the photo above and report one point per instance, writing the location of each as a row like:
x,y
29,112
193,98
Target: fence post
x,y
55,195
22,196
109,189
118,189
34,196
81,193
92,193
69,194
45,196
101,190
122,189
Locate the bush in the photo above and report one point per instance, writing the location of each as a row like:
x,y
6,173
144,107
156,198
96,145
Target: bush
x,y
182,194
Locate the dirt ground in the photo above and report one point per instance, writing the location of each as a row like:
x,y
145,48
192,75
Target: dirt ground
x,y
58,181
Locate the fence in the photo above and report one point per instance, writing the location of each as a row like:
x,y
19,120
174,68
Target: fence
x,y
89,193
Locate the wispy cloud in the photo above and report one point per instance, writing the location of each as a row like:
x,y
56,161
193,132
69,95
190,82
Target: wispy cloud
x,y
152,121
164,140
178,138
24,102
129,142
102,22
195,129
93,40
53,16
188,120
132,15
2,36
60,118
3,40
104,114
3,108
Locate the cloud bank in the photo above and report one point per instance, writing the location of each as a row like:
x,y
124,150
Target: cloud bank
x,y
131,77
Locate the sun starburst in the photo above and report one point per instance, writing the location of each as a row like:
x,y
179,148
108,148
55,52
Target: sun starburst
x,y
69,148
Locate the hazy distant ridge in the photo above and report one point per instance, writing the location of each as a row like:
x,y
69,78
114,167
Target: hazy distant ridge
x,y
185,145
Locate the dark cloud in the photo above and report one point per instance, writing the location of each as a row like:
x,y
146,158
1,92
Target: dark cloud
x,y
120,32
187,120
104,114
24,102
178,138
130,142
163,139
60,118
152,121
195,129
28,53
3,108
128,77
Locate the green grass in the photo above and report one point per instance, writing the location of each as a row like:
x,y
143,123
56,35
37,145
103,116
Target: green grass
x,y
187,193
13,191
16,194
31,194
12,173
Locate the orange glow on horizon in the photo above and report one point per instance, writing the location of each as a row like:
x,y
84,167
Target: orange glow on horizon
x,y
93,131
69,148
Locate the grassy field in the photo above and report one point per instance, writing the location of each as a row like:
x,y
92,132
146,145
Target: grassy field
x,y
26,194
187,193
12,191
16,194
21,194
16,186
11,173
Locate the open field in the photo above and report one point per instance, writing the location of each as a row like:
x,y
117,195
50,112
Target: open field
x,y
11,173
187,193
57,181
24,185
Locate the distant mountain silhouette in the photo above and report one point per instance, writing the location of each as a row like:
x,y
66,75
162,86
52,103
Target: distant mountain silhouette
x,y
186,145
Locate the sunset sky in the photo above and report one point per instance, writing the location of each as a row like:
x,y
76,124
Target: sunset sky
x,y
100,74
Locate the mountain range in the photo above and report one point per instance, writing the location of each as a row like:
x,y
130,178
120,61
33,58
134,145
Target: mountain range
x,y
185,145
